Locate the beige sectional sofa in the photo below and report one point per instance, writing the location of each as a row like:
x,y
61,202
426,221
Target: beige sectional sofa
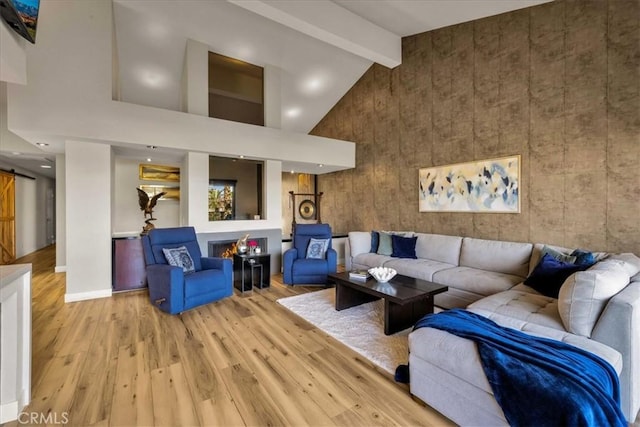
x,y
597,310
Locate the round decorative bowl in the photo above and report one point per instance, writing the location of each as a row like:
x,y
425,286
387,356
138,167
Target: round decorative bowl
x,y
382,274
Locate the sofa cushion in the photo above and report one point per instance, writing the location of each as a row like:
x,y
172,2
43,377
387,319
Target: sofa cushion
x,y
524,306
550,274
604,351
418,268
584,295
459,357
477,281
359,242
492,255
438,247
631,262
310,266
371,260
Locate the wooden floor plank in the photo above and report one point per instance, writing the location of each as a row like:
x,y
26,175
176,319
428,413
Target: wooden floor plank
x,y
245,360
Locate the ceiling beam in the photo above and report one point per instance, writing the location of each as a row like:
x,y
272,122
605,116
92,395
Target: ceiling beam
x,y
332,24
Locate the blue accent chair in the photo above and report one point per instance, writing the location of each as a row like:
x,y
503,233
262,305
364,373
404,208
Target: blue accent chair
x,y
170,289
297,269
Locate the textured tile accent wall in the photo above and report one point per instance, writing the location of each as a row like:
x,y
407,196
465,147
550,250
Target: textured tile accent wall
x,y
557,83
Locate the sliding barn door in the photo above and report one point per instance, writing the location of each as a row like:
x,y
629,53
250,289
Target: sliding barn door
x,y
7,218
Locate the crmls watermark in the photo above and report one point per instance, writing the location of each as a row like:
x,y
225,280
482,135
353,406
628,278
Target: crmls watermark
x,y
40,418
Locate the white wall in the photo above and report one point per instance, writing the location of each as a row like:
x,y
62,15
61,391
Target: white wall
x,y
61,216
13,59
127,216
88,178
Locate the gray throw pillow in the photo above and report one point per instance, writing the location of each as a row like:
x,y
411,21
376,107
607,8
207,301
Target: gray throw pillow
x,y
179,257
385,245
317,248
558,255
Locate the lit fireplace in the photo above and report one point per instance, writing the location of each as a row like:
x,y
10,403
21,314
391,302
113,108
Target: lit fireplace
x,y
226,248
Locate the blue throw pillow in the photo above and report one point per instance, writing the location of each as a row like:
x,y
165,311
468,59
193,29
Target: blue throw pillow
x,y
584,257
317,248
404,247
179,257
375,239
550,274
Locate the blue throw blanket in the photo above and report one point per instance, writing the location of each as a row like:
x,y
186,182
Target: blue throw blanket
x,y
538,381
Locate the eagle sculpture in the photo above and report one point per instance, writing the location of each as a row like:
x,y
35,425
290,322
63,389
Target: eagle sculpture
x,y
146,204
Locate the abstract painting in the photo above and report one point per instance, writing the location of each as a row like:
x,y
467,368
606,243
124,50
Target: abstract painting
x,y
481,186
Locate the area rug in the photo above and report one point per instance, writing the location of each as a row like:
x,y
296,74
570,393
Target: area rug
x,y
360,328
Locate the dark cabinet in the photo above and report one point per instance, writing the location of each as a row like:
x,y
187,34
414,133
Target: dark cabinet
x,y
128,264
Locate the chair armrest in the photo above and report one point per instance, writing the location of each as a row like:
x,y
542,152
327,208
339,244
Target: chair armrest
x,y
209,263
166,281
619,328
217,263
332,260
289,256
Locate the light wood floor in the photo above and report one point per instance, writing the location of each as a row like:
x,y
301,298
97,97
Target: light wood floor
x,y
241,361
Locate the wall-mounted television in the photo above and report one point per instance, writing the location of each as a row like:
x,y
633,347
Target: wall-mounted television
x,y
21,16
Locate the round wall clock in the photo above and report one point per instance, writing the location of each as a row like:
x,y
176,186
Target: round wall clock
x,y
307,209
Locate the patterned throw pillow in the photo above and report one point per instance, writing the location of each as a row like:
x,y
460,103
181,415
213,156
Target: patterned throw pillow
x,y
179,257
317,248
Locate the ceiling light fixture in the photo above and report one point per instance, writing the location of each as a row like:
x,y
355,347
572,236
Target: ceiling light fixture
x,y
320,165
148,159
42,144
16,153
45,166
241,156
292,172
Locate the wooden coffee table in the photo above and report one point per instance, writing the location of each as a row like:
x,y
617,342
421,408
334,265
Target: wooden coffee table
x,y
406,300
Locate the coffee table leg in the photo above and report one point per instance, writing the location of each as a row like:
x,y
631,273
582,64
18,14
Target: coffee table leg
x,y
347,297
398,317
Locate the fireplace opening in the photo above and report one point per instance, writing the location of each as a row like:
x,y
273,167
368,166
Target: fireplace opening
x,y
227,248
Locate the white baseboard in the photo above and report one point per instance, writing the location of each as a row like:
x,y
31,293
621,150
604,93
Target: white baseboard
x,y
9,411
82,296
60,268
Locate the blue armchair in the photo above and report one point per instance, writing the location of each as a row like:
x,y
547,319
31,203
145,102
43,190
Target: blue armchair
x,y
297,268
173,290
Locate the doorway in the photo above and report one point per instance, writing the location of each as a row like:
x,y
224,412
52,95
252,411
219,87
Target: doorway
x,y
7,218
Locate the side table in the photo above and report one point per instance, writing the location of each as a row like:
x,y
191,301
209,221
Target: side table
x,y
251,270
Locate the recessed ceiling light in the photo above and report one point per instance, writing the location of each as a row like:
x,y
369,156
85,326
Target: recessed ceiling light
x,y
42,144
148,159
292,171
241,156
320,165
45,166
293,112
152,78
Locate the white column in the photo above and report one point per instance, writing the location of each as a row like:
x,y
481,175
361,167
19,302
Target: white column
x,y
61,216
88,212
195,79
197,174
